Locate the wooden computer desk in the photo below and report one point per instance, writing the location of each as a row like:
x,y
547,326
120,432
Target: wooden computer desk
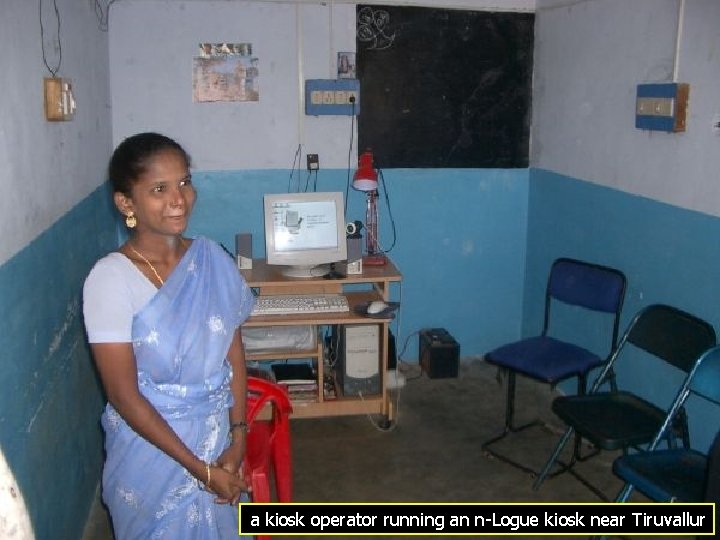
x,y
372,284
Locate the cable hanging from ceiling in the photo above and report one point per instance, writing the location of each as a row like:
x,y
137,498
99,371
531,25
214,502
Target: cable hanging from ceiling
x,y
58,47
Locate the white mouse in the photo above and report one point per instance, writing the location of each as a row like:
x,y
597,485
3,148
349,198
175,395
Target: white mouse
x,y
376,306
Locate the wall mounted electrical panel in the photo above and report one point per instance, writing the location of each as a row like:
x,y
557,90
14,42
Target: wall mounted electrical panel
x,y
661,106
59,99
332,96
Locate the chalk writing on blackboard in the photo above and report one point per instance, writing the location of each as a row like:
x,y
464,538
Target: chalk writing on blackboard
x,y
373,28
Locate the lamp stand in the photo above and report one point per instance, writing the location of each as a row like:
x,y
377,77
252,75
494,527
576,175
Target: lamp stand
x,y
374,256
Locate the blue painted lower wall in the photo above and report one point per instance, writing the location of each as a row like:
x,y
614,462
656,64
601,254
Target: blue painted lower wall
x,y
669,255
474,247
460,244
51,400
460,241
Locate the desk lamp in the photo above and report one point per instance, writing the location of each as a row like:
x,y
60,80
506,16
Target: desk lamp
x,y
366,179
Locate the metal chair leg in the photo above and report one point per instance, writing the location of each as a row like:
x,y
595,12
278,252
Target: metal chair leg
x,y
510,401
509,428
624,494
553,458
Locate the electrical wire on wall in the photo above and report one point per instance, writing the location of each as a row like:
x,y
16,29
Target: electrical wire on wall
x,y
295,164
331,36
307,181
678,39
349,158
300,49
58,48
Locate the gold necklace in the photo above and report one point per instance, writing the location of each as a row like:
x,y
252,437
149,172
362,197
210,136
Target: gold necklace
x,y
136,252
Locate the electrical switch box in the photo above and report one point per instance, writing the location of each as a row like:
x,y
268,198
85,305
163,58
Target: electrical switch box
x,y
332,96
661,106
59,99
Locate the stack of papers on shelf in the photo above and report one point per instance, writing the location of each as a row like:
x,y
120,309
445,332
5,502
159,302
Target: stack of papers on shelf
x,y
310,396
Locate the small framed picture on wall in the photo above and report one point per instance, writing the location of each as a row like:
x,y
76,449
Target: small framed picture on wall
x,y
346,65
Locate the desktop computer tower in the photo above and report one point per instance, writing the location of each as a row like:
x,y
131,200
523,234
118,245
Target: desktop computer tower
x,y
358,359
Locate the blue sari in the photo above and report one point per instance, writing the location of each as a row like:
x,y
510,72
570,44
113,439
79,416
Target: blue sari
x,y
181,339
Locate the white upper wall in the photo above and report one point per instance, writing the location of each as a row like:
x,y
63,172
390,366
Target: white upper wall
x,y
152,45
48,167
589,57
484,5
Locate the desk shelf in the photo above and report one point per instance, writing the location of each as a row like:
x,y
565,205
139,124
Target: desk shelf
x,y
268,280
340,407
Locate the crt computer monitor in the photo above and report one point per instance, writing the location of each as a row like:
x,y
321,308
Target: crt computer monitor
x,y
304,232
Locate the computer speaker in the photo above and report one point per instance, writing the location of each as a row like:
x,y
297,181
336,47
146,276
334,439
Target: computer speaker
x,y
243,250
354,255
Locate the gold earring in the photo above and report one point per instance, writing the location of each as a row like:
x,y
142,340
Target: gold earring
x,y
130,220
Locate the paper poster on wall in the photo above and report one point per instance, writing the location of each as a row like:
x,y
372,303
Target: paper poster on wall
x,y
225,72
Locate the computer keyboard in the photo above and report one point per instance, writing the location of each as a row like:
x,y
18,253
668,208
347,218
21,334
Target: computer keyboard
x,y
295,304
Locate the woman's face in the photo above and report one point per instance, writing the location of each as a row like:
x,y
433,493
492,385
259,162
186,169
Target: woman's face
x,y
162,198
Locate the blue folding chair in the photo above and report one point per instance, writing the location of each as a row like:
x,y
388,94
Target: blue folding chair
x,y
548,359
675,474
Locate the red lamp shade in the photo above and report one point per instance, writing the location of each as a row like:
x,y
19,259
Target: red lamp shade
x,y
365,178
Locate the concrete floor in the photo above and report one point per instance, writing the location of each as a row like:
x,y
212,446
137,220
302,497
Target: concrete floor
x,y
432,452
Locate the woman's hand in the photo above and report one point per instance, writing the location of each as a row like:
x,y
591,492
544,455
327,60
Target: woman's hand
x,y
232,456
231,461
228,486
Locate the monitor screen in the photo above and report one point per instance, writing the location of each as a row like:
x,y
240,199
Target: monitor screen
x,y
305,231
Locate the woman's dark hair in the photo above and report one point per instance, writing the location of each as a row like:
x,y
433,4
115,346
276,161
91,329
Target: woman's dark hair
x,y
130,158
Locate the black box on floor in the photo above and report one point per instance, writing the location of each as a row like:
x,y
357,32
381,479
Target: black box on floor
x,y
439,353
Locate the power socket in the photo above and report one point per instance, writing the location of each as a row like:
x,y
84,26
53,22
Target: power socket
x,y
313,162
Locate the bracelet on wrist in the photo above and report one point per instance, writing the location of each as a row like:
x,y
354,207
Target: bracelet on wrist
x,y
239,425
207,468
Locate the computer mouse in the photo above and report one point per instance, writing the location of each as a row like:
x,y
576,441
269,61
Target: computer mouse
x,y
376,306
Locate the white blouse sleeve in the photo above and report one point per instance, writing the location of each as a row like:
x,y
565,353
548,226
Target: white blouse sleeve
x,y
107,304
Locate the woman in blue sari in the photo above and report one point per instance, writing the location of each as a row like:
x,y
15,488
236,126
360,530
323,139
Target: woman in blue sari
x,y
163,317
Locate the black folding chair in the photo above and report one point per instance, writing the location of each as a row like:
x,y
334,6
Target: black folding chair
x,y
544,358
620,419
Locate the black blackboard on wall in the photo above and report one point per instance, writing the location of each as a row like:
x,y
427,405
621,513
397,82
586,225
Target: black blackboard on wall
x,y
444,88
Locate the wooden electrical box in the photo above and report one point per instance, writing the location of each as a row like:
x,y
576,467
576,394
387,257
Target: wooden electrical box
x,y
59,99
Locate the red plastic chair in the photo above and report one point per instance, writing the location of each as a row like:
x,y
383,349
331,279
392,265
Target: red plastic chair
x,y
268,441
